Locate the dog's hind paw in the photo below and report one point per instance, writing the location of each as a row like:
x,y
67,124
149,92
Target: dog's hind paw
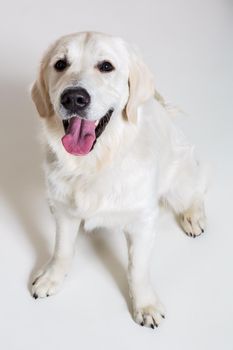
x,y
193,220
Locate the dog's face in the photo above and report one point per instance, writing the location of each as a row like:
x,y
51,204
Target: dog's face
x,y
85,80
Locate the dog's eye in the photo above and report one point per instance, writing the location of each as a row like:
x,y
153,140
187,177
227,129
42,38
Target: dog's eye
x,y
60,65
105,66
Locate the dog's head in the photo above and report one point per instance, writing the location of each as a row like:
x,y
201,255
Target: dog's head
x,y
85,80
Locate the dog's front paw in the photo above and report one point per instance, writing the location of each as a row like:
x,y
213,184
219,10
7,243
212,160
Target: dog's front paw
x,y
48,280
149,316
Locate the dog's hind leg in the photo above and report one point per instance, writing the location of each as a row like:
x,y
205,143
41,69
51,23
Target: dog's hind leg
x,y
186,197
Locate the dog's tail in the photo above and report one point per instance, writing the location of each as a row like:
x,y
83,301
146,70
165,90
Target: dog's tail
x,y
170,108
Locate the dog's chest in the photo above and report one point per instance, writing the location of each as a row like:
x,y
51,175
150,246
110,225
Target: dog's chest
x,y
112,192
109,191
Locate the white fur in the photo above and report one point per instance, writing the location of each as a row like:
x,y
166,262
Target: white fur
x,y
135,164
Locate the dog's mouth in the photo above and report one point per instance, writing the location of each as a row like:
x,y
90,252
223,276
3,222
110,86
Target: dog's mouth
x,y
81,134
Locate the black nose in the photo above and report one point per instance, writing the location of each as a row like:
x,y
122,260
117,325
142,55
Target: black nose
x,y
75,99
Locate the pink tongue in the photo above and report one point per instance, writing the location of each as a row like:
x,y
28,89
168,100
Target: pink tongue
x,y
79,137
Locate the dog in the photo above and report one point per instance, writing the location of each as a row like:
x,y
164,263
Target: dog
x,y
112,155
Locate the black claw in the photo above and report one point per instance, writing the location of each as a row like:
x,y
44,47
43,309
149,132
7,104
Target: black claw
x,y
191,235
162,316
152,326
194,236
47,295
142,324
35,296
202,230
33,283
155,324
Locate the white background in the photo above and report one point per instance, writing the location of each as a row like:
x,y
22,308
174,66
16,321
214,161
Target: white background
x,y
188,46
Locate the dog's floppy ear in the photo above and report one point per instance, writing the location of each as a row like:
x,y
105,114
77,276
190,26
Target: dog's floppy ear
x,y
40,95
141,85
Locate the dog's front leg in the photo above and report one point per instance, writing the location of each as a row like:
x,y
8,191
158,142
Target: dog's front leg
x,y
147,309
49,279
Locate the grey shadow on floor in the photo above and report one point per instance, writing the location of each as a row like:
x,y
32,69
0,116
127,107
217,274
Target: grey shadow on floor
x,y
21,176
103,247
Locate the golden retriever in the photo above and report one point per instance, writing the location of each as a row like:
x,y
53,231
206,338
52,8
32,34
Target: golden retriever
x,y
112,154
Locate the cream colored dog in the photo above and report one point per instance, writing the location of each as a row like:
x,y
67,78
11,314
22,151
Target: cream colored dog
x,y
112,154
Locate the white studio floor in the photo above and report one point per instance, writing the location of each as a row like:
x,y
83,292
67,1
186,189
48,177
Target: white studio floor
x,y
188,46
